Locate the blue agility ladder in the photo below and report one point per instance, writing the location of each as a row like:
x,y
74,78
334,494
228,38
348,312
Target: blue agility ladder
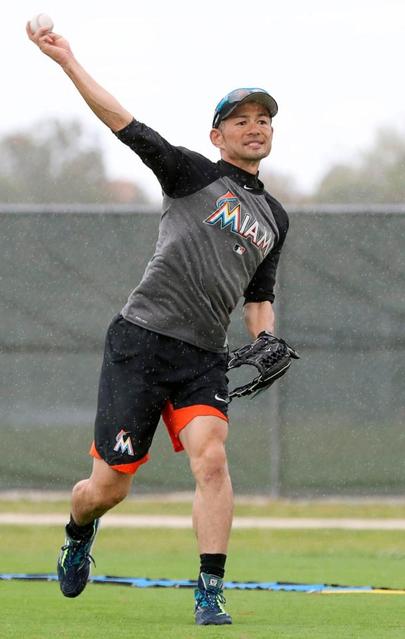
x,y
272,586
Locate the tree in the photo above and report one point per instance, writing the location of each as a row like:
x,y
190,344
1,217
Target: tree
x,y
283,187
377,177
58,162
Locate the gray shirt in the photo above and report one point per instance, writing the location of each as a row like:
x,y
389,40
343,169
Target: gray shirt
x,y
220,237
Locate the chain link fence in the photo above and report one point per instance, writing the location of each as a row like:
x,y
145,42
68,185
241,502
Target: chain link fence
x,y
334,425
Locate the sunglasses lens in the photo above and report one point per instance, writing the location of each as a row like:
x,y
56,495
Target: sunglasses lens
x,y
239,94
234,96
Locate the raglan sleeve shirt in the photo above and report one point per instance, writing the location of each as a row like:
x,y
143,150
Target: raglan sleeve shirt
x,y
220,239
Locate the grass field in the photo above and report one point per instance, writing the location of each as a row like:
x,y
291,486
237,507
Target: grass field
x,y
38,611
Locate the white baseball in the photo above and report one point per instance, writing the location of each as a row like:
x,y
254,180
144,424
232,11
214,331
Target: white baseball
x,y
41,20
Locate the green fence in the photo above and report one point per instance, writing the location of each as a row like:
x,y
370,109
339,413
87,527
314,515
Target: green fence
x,y
333,425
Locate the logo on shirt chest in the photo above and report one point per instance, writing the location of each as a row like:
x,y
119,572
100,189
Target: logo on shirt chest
x,y
228,215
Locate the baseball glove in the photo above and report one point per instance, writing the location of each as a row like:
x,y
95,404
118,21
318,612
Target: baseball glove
x,y
269,355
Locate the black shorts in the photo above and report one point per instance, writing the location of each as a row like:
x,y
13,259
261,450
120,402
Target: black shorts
x,y
146,375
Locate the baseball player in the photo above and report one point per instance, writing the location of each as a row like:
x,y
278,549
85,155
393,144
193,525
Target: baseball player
x,y
220,238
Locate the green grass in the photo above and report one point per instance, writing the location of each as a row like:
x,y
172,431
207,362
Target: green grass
x,y
38,611
126,613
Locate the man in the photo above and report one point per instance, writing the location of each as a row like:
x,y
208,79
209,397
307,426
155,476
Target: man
x,y
166,352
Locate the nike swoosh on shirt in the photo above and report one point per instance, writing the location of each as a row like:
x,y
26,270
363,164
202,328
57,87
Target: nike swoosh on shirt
x,y
248,188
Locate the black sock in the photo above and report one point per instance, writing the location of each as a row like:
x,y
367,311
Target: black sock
x,y
79,532
213,564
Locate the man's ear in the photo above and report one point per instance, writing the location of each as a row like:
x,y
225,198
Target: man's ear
x,y
216,137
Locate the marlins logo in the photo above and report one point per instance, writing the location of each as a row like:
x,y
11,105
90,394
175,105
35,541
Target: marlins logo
x,y
228,214
123,445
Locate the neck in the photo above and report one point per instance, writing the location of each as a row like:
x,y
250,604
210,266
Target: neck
x,y
250,166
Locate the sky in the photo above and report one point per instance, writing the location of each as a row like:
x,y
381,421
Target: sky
x,y
334,67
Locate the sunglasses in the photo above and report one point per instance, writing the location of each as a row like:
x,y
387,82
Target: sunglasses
x,y
229,102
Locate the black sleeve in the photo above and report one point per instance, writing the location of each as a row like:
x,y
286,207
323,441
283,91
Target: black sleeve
x,y
180,171
261,286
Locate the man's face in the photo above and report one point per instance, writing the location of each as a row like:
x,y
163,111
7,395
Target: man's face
x,y
245,137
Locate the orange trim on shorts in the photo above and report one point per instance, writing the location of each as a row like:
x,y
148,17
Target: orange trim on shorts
x,y
176,419
128,469
94,452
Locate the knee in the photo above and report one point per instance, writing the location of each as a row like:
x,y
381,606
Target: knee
x,y
99,496
113,496
211,464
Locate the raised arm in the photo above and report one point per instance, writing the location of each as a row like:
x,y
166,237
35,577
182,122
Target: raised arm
x,y
102,103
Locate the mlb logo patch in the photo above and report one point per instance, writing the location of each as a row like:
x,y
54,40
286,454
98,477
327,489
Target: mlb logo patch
x,y
240,250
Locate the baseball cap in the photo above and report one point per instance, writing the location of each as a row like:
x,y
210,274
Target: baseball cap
x,y
229,103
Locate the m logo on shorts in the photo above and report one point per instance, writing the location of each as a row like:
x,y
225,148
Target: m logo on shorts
x,y
123,445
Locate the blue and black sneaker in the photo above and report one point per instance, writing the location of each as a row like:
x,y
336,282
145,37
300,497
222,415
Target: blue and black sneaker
x,y
209,600
74,563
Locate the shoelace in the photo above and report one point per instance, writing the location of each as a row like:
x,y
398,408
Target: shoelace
x,y
79,557
211,599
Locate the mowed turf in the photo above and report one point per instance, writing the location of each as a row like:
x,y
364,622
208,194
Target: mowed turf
x,y
39,611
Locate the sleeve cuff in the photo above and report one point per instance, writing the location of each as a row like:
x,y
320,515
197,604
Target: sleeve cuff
x,y
122,134
265,297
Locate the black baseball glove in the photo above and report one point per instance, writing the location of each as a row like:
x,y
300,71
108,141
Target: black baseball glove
x,y
270,355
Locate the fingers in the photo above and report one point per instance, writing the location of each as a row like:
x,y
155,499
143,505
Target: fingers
x,y
42,35
50,43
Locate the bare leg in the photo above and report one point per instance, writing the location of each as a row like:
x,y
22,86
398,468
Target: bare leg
x,y
91,498
204,441
104,489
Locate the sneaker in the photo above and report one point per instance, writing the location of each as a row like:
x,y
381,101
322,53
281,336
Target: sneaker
x,y
74,563
209,600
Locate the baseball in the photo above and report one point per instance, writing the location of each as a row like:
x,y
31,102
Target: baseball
x,y
41,20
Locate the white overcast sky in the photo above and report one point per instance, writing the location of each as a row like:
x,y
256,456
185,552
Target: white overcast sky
x,y
336,68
